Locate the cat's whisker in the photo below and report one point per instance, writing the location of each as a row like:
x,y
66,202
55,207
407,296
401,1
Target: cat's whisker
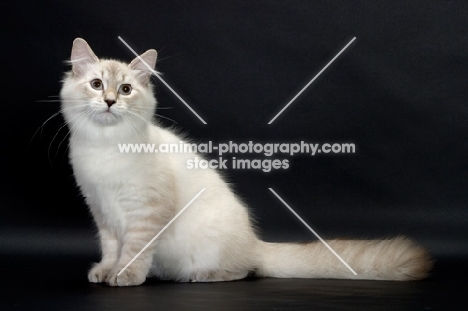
x,y
64,154
131,111
161,116
63,109
167,57
134,111
70,100
128,125
132,127
78,126
41,127
58,131
48,101
73,107
77,129
50,145
142,133
140,117
145,110
146,138
61,142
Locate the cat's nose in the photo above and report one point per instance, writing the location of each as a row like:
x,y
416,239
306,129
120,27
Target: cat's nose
x,y
109,102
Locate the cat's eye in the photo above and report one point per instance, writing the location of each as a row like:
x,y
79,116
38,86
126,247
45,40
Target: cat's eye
x,y
125,89
96,84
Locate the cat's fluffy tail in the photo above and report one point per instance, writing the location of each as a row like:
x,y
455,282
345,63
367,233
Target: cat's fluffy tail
x,y
396,259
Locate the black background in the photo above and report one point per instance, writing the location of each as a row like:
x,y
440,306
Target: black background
x,y
398,93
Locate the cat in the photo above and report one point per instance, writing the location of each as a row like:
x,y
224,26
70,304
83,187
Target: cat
x,y
132,196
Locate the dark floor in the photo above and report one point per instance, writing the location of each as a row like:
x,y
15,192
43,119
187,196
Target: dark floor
x,y
59,283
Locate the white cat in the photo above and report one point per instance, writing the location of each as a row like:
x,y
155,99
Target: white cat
x,y
132,196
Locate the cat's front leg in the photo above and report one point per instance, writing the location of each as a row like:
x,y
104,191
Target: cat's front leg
x,y
139,233
135,273
110,250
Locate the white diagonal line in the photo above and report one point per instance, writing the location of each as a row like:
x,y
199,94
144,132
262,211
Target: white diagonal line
x,y
316,76
313,231
161,79
160,232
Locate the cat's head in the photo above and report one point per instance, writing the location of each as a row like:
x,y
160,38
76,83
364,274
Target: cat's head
x,y
107,94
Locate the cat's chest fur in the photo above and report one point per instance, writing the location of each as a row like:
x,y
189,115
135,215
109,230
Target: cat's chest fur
x,y
107,176
105,164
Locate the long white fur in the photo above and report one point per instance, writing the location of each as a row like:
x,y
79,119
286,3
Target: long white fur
x,y
133,195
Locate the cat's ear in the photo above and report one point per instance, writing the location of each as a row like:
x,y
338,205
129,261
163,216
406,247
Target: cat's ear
x,y
81,56
144,64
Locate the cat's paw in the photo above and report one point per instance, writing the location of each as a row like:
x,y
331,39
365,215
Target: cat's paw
x,y
99,273
129,277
